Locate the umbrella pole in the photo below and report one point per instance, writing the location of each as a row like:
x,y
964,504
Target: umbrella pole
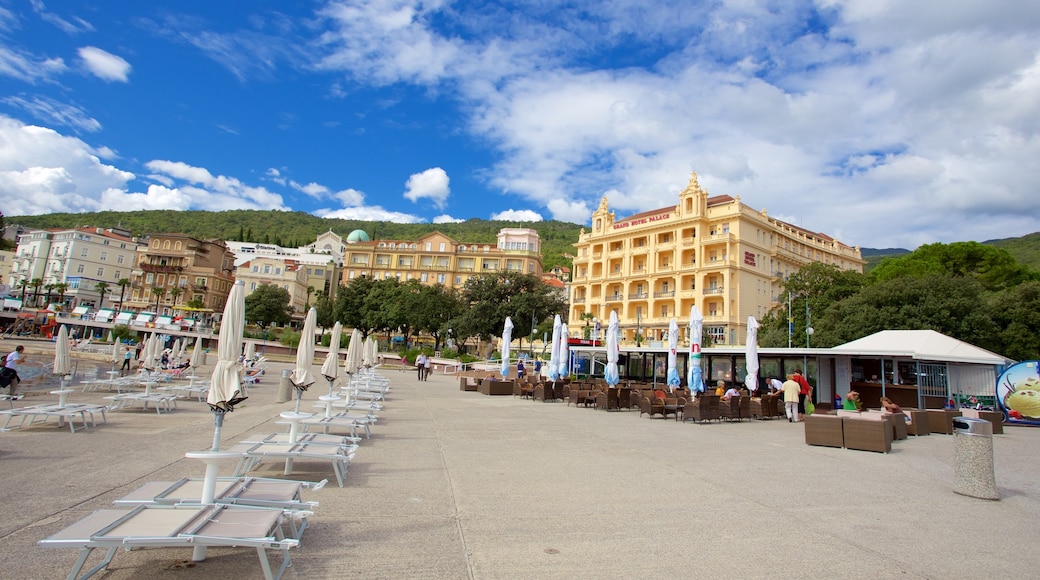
x,y
299,395
218,423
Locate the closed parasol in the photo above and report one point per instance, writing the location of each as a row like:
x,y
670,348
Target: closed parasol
x,y
302,377
610,373
752,355
694,374
673,347
554,350
507,337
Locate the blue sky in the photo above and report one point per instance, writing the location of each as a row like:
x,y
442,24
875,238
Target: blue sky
x,y
880,122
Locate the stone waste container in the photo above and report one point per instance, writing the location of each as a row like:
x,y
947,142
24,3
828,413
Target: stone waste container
x,y
285,387
973,464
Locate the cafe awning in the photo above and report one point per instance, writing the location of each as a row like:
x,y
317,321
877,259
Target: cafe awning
x,y
926,345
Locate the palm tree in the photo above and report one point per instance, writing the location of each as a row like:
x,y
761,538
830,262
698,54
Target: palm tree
x,y
159,293
36,283
24,284
174,293
122,283
102,288
60,288
307,306
49,288
587,316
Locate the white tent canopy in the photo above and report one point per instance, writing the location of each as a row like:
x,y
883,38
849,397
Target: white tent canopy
x,y
920,345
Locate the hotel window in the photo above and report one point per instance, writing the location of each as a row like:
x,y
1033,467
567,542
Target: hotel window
x,y
423,277
350,275
725,228
458,280
148,279
440,278
117,275
429,246
119,259
79,269
442,246
166,245
155,244
100,272
84,252
256,269
664,310
103,256
252,286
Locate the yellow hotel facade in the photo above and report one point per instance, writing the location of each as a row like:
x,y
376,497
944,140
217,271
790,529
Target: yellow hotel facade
x,y
715,252
437,259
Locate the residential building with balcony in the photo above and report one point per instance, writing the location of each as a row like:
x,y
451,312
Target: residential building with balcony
x,y
321,261
172,270
710,251
284,273
437,259
81,258
6,260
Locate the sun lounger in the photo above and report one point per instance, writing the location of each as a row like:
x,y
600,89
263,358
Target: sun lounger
x,y
280,494
350,421
158,526
254,453
315,438
43,412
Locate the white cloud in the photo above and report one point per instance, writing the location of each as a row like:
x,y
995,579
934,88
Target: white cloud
x,y
42,171
447,219
28,68
312,189
53,112
105,65
431,184
370,213
897,110
517,215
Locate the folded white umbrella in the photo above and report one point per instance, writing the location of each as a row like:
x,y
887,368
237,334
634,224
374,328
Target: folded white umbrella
x,y
610,374
355,353
225,387
302,377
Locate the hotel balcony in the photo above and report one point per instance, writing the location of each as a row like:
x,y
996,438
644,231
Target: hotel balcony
x,y
160,268
616,297
668,294
714,290
578,300
639,296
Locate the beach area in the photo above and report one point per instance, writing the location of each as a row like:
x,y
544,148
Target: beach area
x,y
460,485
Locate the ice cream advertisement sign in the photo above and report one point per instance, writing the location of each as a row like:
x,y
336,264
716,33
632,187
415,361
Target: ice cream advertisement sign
x,y
1018,393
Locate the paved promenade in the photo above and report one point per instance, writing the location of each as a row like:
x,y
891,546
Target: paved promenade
x,y
461,485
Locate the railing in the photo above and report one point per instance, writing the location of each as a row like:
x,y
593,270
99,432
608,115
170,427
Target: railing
x,y
578,300
639,296
715,290
666,294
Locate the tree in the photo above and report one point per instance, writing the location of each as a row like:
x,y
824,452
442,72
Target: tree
x,y
587,317
175,292
326,311
36,283
60,288
102,289
267,305
122,283
993,267
818,285
159,292
49,288
954,306
307,305
350,303
488,299
1017,311
23,284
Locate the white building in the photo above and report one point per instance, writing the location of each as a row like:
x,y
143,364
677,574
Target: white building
x,y
78,257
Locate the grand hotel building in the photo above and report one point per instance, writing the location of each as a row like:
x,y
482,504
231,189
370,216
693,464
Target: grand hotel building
x,y
715,252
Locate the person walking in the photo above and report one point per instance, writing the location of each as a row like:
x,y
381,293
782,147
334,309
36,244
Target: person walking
x,y
520,369
791,391
15,358
427,367
127,356
420,365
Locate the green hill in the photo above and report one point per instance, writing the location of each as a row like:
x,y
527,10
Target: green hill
x,y
293,229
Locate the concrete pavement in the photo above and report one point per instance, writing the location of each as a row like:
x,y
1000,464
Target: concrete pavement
x,y
461,485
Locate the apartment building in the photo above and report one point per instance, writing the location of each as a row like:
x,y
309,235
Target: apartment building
x,y
437,259
80,258
285,273
712,251
173,269
321,261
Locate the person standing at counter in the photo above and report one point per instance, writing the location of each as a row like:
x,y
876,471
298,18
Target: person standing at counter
x,y
791,392
804,389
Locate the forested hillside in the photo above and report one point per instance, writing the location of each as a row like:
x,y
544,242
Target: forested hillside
x,y
292,229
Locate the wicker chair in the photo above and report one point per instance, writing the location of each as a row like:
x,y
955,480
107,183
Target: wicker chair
x,y
918,425
651,407
730,410
744,405
703,408
941,420
867,434
824,430
544,392
673,406
607,399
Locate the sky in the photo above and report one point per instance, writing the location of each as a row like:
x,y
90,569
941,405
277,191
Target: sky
x,y
882,123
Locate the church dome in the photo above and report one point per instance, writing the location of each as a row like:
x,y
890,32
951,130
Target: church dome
x,y
358,236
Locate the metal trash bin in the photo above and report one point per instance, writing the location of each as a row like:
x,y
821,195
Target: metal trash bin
x,y
973,439
285,387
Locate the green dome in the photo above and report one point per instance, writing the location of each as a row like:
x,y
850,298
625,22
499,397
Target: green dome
x,y
358,236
